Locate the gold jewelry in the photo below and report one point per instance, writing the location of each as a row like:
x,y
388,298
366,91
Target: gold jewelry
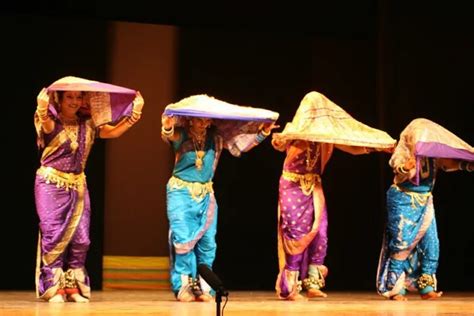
x,y
198,137
311,161
197,190
131,121
199,142
306,181
167,132
61,179
71,127
467,166
199,150
402,169
264,133
425,280
42,115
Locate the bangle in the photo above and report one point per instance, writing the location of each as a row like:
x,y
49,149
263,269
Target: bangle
x,y
130,121
401,169
167,133
135,117
467,166
43,116
262,131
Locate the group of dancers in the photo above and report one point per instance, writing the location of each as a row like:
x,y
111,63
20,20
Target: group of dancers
x,y
72,112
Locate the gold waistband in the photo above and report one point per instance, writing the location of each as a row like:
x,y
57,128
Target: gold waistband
x,y
306,180
61,179
421,198
197,190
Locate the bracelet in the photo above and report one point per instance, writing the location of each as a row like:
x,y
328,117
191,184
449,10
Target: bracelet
x,y
130,121
135,116
167,133
466,166
262,131
401,169
43,116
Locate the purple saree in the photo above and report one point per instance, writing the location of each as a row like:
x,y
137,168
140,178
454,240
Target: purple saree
x,y
61,194
318,127
302,220
63,207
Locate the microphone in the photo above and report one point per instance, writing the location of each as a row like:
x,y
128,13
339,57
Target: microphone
x,y
212,279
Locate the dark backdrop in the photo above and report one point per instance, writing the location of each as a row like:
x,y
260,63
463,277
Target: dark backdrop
x,y
385,63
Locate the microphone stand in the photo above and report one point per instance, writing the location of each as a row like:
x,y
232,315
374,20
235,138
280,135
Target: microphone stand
x,y
218,302
219,293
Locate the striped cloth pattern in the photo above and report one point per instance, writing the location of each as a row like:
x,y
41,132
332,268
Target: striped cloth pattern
x,y
140,273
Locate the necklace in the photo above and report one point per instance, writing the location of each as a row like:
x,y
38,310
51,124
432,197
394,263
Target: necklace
x,y
199,137
199,143
311,161
199,150
71,127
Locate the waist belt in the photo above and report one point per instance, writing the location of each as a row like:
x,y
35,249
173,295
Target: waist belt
x,y
197,190
61,179
306,181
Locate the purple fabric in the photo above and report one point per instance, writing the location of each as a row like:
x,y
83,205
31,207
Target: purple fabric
x,y
64,159
298,164
296,210
121,99
224,116
90,86
121,105
297,217
437,150
315,253
55,207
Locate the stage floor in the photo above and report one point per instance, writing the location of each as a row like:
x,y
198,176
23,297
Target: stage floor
x,y
240,303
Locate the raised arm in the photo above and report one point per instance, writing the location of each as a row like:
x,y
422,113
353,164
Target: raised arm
x,y
168,133
278,145
47,124
450,165
114,131
405,171
264,131
354,150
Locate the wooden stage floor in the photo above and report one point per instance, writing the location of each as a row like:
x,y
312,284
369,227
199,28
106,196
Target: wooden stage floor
x,y
240,303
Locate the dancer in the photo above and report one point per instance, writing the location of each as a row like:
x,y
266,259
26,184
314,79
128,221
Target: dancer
x,y
198,128
70,114
410,250
318,127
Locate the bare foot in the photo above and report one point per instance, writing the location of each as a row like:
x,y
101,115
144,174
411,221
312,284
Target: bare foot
x,y
204,298
185,296
399,297
431,295
315,293
77,298
296,297
58,298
